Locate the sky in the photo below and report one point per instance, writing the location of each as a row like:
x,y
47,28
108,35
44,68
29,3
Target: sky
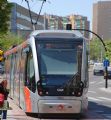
x,y
61,7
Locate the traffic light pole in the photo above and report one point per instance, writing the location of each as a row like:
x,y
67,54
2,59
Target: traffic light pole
x,y
106,79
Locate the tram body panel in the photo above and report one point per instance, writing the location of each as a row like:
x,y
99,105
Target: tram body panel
x,y
59,106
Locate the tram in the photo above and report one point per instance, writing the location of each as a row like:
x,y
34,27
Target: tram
x,y
48,73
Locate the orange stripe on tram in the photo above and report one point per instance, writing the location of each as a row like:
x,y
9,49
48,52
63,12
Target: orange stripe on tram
x,y
27,99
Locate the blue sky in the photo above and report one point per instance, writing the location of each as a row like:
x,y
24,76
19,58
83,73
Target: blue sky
x,y
61,7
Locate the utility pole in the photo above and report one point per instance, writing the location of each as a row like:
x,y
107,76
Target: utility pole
x,y
106,64
89,49
101,51
106,80
101,54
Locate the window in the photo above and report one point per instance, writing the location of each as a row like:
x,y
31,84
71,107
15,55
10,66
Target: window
x,y
30,73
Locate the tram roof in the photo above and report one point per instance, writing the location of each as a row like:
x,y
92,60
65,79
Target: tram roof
x,y
65,33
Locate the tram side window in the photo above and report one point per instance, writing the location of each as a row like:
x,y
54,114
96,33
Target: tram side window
x,y
30,74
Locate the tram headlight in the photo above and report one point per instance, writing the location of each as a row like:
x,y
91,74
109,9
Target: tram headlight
x,y
39,88
79,93
40,93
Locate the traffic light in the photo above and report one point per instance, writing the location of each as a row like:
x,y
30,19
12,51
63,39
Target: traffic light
x,y
1,55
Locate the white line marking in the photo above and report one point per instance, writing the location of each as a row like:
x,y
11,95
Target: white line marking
x,y
91,91
104,98
98,111
92,82
94,99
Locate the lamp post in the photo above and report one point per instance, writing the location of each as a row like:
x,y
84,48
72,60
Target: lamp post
x,y
101,51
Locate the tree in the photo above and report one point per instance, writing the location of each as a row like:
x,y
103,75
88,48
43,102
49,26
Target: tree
x,y
96,50
5,10
108,45
8,40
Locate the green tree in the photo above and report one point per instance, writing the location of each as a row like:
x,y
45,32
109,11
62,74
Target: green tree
x,y
8,40
5,10
96,49
108,46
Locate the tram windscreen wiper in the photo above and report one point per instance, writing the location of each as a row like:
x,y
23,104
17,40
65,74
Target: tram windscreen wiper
x,y
74,85
71,81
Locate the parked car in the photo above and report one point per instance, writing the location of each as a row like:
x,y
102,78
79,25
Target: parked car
x,y
98,68
109,72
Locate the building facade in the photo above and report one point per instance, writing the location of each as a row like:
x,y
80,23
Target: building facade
x,y
22,25
20,22
54,22
77,21
80,22
102,19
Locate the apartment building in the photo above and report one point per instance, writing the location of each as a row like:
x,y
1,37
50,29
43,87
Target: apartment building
x,y
22,25
54,22
77,21
102,19
20,22
80,22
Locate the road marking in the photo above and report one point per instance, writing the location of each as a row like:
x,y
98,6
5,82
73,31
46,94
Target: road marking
x,y
106,89
92,82
98,111
94,99
91,91
104,98
100,82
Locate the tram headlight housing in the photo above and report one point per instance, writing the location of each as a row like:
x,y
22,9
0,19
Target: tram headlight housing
x,y
40,89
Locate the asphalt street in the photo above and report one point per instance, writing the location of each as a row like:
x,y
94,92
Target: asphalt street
x,y
99,96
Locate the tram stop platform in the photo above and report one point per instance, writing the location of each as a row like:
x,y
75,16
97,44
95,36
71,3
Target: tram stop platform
x,y
17,113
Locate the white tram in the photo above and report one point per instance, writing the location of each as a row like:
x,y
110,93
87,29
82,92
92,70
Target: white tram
x,y
48,73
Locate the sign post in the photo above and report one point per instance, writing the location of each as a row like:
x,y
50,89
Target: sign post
x,y
106,64
106,81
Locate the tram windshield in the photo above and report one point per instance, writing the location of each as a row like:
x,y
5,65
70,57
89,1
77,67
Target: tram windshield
x,y
58,58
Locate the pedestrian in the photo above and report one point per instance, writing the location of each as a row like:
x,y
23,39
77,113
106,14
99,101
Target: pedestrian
x,y
5,92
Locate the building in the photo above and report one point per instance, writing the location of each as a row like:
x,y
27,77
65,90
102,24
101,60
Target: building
x,y
54,22
65,21
59,23
20,22
80,22
22,25
102,19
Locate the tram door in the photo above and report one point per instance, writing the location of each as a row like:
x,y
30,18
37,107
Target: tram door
x,y
12,75
17,78
22,77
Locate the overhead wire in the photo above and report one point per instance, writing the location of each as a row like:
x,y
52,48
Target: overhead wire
x,y
40,11
35,24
